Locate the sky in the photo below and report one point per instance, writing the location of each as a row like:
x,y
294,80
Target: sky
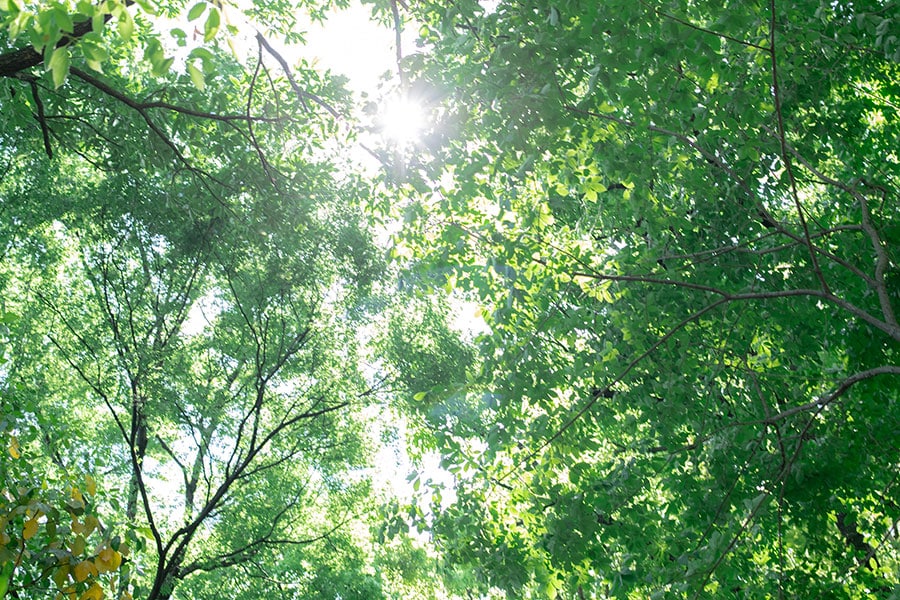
x,y
350,44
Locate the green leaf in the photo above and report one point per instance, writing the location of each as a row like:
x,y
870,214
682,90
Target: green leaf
x,y
212,25
162,67
147,6
125,24
196,76
59,65
62,19
98,22
196,11
92,49
5,575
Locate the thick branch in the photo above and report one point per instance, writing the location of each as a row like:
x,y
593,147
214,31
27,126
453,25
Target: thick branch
x,y
17,61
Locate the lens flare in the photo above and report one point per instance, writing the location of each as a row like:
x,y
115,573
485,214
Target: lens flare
x,y
402,121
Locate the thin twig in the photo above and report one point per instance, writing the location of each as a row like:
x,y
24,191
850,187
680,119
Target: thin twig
x,y
253,141
785,156
302,94
398,37
705,30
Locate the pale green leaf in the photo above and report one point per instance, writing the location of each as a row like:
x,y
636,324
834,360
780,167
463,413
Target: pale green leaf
x,y
196,11
126,25
58,65
212,25
196,77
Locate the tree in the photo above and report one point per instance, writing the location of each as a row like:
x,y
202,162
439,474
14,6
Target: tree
x,y
50,534
189,269
678,216
681,217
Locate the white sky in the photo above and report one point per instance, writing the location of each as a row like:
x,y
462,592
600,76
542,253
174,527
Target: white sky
x,y
350,44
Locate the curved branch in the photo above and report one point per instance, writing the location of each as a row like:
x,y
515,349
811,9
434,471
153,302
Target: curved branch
x,y
202,175
302,94
882,262
190,112
834,395
253,141
704,29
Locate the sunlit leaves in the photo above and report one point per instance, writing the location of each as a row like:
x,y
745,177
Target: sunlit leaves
x,y
52,536
125,24
211,27
58,64
13,447
196,10
650,302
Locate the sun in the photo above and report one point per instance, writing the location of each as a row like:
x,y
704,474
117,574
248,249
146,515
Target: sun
x,y
402,121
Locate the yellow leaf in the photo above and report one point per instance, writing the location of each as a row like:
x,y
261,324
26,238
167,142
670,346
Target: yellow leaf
x,y
76,495
77,526
90,485
90,524
83,570
69,592
108,560
30,528
61,576
78,545
14,447
95,592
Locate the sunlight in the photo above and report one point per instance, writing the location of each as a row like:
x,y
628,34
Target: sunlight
x,y
402,121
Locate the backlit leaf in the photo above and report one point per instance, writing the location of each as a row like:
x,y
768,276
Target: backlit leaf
x,y
196,11
95,592
13,447
212,25
59,65
30,528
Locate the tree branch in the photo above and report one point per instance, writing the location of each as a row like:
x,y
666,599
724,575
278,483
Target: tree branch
x,y
785,156
704,29
41,118
139,107
302,94
824,401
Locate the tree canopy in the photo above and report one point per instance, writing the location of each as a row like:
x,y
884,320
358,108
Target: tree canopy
x,y
678,221
681,218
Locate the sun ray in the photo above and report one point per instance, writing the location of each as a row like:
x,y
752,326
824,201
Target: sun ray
x,y
402,121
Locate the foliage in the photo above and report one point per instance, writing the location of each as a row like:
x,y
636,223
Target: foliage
x,y
50,534
681,217
190,269
428,359
680,220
